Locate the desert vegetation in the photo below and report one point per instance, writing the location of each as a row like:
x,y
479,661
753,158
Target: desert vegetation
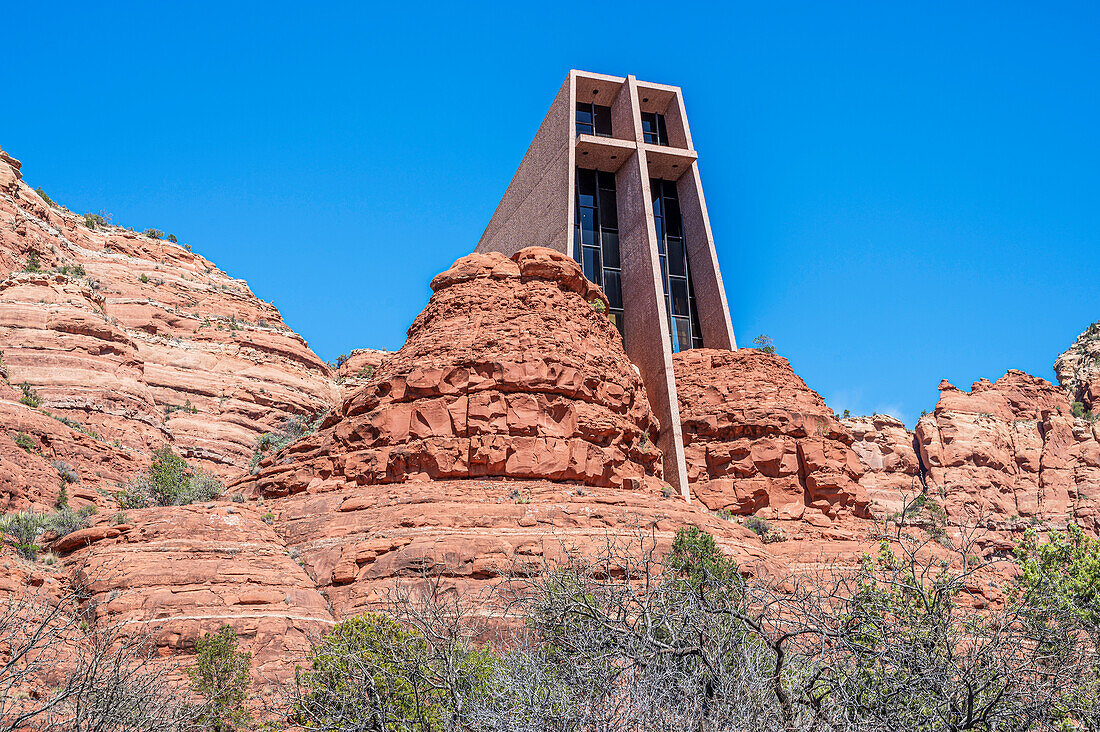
x,y
169,481
629,638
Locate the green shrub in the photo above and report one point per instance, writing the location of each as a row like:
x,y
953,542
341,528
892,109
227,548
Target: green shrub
x,y
30,396
367,662
25,441
268,517
68,475
292,428
42,194
169,481
221,676
1079,411
144,278
23,529
171,238
71,270
94,221
154,233
33,265
764,343
757,525
66,521
695,556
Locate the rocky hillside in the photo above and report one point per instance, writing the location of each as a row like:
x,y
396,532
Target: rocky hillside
x,y
509,429
1015,452
1078,370
115,343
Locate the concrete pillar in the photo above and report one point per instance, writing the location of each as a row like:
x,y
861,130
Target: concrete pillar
x,y
645,319
706,279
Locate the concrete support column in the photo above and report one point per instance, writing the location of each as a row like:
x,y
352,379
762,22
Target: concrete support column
x,y
646,321
706,279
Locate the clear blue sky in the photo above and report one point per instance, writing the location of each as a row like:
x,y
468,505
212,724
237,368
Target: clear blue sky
x,y
899,192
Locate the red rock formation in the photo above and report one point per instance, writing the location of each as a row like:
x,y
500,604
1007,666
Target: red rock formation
x,y
179,572
891,467
359,542
1078,369
509,371
29,477
142,341
759,441
1013,449
358,369
509,426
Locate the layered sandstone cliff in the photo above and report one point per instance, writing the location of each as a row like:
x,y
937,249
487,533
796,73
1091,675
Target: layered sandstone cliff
x,y
135,342
1078,369
509,429
759,441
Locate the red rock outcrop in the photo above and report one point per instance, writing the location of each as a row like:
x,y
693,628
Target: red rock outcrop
x,y
509,427
358,369
892,470
1078,369
34,447
759,441
179,572
359,542
141,341
1011,448
509,371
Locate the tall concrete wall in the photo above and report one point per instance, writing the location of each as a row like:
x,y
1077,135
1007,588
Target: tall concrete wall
x,y
536,209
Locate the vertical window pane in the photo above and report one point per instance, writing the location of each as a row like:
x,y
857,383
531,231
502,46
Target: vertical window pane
x,y
577,242
592,264
677,264
588,226
681,338
672,216
609,218
612,287
617,318
602,120
662,131
679,292
606,180
586,183
584,113
610,241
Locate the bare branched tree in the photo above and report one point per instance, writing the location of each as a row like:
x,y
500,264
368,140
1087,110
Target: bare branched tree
x,y
61,670
626,638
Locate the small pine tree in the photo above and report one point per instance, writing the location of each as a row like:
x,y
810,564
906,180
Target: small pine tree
x,y
221,676
696,557
42,194
33,265
764,343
